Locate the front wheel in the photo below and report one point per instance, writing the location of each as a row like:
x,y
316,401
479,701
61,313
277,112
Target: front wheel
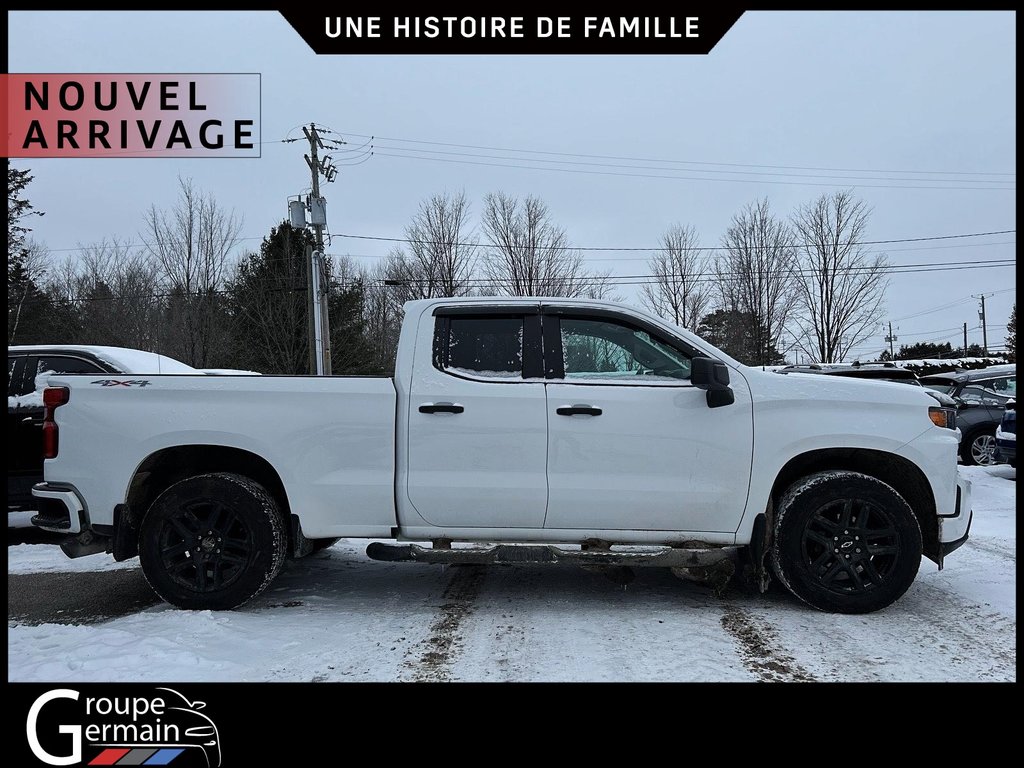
x,y
846,542
212,542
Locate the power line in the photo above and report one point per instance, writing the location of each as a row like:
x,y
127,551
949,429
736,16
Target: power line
x,y
499,283
681,178
378,147
680,162
885,251
951,304
379,238
930,238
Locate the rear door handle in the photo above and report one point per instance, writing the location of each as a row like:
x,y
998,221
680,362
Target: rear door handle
x,y
578,410
441,408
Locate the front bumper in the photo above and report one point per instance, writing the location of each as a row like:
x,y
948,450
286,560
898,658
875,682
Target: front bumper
x,y
954,528
1006,446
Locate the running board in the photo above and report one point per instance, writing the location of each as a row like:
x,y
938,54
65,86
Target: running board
x,y
513,554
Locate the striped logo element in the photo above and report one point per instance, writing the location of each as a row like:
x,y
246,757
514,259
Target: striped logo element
x,y
139,756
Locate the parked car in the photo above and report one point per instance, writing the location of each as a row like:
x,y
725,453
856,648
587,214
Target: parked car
x,y
28,368
1006,436
981,397
535,430
875,372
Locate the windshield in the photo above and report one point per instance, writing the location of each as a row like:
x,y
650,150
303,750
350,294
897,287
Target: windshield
x,y
945,388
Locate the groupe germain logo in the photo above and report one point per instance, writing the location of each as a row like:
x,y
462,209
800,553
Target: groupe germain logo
x,y
164,728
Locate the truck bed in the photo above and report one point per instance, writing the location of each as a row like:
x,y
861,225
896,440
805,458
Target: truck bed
x,y
331,440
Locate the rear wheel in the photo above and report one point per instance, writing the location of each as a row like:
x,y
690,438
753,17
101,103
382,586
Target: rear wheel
x,y
846,542
212,542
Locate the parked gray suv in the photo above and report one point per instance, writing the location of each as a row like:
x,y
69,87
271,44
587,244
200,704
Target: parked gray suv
x,y
981,397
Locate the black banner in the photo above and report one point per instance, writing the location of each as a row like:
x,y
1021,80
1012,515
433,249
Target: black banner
x,y
688,32
206,725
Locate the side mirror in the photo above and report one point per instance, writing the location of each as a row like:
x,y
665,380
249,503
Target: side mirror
x,y
712,376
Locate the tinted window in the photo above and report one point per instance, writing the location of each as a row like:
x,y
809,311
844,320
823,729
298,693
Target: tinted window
x,y
62,364
485,346
17,386
613,350
991,391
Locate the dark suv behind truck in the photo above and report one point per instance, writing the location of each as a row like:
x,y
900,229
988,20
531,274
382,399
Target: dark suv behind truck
x,y
27,369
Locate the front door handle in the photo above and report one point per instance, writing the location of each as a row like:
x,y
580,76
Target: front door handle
x,y
578,410
441,408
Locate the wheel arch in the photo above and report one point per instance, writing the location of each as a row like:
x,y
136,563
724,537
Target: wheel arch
x,y
905,477
163,468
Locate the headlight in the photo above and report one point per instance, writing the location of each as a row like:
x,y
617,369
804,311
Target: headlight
x,y
942,417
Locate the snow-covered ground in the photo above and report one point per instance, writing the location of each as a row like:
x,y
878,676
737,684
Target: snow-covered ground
x,y
340,616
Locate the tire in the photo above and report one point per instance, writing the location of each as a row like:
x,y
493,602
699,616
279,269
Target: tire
x,y
226,522
873,534
977,448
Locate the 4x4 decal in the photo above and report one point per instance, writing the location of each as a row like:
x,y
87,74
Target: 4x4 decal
x,y
117,383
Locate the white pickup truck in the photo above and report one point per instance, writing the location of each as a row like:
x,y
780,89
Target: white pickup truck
x,y
521,430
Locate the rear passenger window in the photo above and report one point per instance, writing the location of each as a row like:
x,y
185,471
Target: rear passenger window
x,y
62,364
491,347
15,380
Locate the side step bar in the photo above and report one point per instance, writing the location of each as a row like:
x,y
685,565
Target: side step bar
x,y
513,554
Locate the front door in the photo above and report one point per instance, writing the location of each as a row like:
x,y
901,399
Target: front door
x,y
632,444
477,423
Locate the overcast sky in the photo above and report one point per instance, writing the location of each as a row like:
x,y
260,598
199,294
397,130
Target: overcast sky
x,y
920,97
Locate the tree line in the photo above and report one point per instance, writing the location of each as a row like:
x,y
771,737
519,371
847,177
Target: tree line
x,y
775,286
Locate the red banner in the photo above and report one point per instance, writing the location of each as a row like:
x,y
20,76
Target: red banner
x,y
131,115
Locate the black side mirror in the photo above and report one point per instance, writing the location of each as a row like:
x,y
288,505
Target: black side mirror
x,y
712,376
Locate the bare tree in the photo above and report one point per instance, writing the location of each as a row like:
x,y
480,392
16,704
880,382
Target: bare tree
x,y
841,283
117,295
442,252
681,289
600,286
191,245
387,289
756,276
527,254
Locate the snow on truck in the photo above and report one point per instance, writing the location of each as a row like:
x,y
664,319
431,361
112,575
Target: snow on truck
x,y
516,430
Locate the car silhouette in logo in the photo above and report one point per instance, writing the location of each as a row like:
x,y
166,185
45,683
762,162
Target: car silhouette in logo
x,y
195,731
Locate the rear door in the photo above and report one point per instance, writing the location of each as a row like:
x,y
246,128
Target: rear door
x,y
632,444
477,421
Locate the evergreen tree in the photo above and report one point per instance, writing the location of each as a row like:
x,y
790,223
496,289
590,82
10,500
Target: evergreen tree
x,y
26,301
733,332
268,305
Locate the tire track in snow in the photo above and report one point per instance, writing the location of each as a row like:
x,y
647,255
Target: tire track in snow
x,y
758,645
444,640
992,546
973,636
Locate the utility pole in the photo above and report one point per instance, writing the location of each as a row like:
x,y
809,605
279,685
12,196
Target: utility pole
x,y
890,338
318,280
981,316
965,339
